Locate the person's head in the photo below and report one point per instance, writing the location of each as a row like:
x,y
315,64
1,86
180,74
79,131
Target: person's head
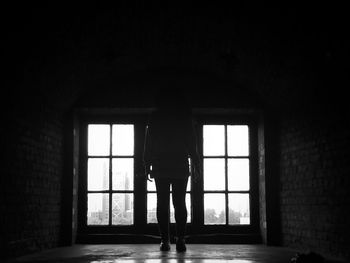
x,y
171,99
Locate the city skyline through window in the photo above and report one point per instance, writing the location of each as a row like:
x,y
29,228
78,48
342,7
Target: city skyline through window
x,y
110,176
226,174
110,183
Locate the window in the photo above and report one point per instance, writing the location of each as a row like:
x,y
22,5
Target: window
x,y
110,174
114,196
226,181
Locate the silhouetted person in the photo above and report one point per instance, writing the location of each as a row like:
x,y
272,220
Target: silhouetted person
x,y
170,156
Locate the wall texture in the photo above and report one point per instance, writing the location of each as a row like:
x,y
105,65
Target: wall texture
x,y
315,183
31,182
277,59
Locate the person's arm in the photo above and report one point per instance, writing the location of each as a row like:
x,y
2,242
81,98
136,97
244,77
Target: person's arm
x,y
193,148
147,153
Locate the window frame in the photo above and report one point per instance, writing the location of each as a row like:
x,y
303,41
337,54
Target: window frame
x,y
139,122
196,227
205,117
226,157
110,156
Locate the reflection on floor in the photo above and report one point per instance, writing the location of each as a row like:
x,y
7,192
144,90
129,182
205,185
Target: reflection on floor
x,y
150,253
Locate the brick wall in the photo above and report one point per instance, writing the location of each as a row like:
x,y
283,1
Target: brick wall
x,y
31,181
315,183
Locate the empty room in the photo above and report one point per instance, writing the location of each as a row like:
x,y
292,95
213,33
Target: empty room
x,y
175,134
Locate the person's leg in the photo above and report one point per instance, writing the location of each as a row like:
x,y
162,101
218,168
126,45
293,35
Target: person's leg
x,y
179,201
163,198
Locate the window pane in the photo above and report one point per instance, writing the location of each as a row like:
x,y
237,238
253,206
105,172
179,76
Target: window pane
x,y
98,206
239,209
98,171
123,173
213,140
98,139
214,174
123,139
238,174
189,209
237,140
214,209
151,208
123,209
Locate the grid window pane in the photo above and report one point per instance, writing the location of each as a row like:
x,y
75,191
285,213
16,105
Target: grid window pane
x,y
152,208
123,139
122,209
98,139
214,209
188,206
213,140
98,174
214,174
98,207
123,173
237,140
238,174
239,209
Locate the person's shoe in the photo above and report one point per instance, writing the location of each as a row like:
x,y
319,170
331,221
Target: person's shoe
x,y
180,245
164,246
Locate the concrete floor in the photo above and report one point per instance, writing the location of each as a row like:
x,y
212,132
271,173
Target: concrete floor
x,y
150,253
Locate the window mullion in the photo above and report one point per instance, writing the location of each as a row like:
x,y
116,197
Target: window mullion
x,y
226,179
110,177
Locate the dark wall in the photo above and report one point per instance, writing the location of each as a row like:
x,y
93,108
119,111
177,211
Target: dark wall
x,y
278,60
31,181
315,183
313,139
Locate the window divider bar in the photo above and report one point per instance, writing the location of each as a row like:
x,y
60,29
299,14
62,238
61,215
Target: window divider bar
x,y
110,191
110,176
226,179
226,156
110,156
228,191
123,156
98,192
122,191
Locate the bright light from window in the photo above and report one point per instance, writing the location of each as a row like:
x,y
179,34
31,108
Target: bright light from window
x,y
237,140
98,207
214,209
226,170
98,139
123,173
238,174
151,186
214,174
213,140
188,207
98,174
123,139
151,208
239,209
122,209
